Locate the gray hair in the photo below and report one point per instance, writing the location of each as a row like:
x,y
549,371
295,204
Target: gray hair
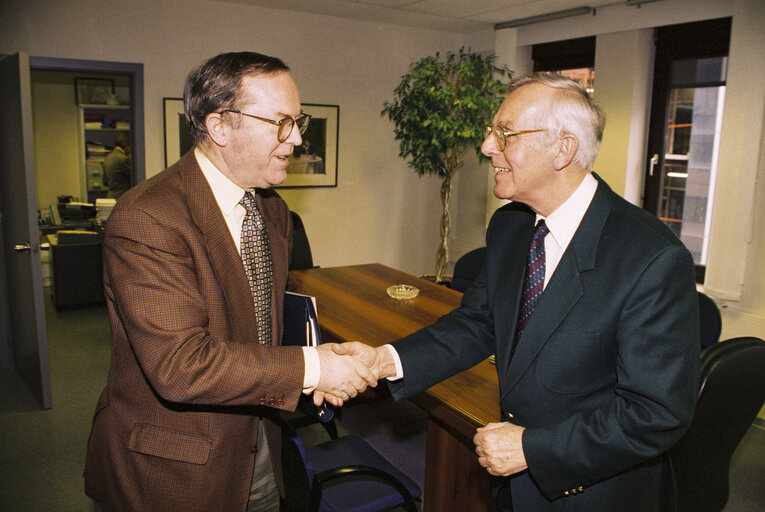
x,y
572,111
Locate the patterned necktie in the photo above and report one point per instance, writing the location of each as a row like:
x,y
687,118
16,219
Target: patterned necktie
x,y
534,279
256,255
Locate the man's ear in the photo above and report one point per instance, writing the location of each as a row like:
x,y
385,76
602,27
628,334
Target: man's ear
x,y
567,146
217,129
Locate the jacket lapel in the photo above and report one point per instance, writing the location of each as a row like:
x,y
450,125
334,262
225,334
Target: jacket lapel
x,y
220,248
564,289
511,264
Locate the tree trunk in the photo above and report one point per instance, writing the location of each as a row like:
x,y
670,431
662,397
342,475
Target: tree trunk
x,y
442,254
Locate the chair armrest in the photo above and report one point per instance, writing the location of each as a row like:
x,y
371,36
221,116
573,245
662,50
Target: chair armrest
x,y
343,472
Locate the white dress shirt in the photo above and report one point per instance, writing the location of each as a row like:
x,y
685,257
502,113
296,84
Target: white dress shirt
x,y
227,195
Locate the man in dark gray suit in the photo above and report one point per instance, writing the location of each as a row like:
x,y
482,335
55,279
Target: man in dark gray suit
x,y
598,378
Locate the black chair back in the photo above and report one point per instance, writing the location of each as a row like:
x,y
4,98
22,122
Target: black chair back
x,y
710,321
732,391
300,256
467,267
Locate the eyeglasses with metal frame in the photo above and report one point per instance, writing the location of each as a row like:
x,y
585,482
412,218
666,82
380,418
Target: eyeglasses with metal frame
x,y
285,125
501,135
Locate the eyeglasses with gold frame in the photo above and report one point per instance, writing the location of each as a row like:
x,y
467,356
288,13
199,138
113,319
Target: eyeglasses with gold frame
x,y
501,136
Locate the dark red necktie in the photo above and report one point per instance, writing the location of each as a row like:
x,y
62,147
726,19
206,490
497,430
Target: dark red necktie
x,y
534,279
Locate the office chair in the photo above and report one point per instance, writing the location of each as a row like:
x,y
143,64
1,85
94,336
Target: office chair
x,y
342,475
300,255
467,267
731,394
710,321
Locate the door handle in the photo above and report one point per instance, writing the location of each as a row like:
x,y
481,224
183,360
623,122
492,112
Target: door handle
x,y
28,247
654,163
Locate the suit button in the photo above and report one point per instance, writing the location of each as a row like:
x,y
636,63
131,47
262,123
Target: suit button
x,y
510,416
566,493
279,403
253,448
261,401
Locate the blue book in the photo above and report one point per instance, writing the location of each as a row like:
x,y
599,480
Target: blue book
x,y
301,327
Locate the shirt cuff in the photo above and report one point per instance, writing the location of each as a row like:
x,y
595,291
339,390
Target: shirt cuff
x,y
312,369
397,360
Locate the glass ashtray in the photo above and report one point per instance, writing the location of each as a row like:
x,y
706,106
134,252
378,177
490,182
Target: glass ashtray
x,y
403,291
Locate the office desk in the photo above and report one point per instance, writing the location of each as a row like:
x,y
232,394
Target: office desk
x,y
76,267
353,305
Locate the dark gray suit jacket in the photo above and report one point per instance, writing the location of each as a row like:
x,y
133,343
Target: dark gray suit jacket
x,y
604,377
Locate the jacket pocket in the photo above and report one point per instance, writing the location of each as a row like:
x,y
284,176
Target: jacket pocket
x,y
152,440
574,364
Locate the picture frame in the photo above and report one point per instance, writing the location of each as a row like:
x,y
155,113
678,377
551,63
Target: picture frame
x,y
178,139
314,164
94,91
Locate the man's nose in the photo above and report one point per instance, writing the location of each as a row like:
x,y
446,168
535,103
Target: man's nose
x,y
489,146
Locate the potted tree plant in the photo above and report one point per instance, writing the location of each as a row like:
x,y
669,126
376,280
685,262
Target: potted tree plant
x,y
440,109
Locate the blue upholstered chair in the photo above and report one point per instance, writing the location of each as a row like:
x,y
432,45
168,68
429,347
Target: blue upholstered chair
x,y
343,475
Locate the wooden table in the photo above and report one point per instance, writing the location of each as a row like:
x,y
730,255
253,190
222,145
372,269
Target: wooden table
x,y
353,305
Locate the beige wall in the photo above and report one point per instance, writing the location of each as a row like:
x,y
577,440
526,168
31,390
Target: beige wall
x,y
57,156
380,211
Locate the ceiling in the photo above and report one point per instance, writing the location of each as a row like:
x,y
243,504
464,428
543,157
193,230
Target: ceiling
x,y
450,15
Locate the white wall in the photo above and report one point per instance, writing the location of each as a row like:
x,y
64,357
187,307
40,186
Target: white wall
x,y
380,211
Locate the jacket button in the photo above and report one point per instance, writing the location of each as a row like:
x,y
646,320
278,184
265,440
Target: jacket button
x,y
261,401
253,448
510,416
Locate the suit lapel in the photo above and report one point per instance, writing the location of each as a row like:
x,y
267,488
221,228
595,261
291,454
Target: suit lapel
x,y
564,289
220,248
512,263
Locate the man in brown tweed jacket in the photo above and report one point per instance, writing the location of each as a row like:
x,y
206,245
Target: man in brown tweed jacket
x,y
185,421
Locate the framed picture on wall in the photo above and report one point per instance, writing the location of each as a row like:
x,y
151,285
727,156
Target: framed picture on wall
x,y
178,138
94,91
314,163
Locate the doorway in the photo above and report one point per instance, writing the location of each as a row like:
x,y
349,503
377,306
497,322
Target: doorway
x,y
16,341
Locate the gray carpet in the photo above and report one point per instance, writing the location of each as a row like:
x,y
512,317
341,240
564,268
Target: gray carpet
x,y
42,452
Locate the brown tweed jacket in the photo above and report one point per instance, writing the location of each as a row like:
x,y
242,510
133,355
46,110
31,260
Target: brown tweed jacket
x,y
175,429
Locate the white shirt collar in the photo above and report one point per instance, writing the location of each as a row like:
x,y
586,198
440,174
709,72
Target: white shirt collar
x,y
226,192
564,221
227,195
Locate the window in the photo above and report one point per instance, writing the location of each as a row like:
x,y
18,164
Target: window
x,y
574,58
684,132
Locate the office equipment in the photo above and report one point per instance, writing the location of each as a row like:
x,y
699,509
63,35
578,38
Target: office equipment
x,y
76,268
76,211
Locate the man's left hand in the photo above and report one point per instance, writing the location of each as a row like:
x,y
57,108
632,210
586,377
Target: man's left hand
x,y
500,449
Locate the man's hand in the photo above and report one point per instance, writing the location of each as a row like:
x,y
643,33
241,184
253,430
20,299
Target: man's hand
x,y
500,449
342,377
379,360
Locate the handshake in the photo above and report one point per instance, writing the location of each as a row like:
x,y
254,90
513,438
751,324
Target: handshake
x,y
347,369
